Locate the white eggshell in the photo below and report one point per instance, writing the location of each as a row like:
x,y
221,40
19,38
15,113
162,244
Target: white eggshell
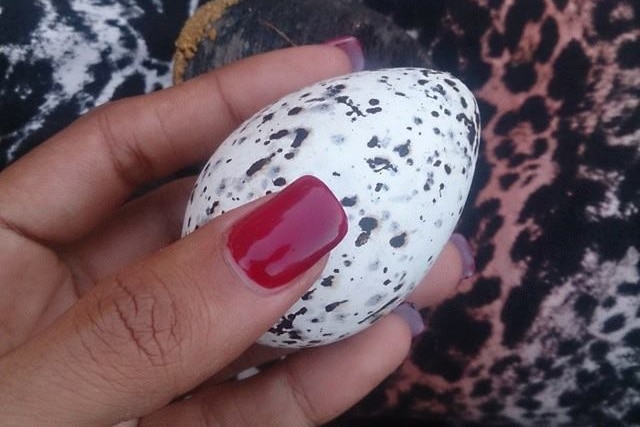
x,y
398,147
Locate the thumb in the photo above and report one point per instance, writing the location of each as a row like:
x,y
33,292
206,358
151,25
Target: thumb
x,y
160,327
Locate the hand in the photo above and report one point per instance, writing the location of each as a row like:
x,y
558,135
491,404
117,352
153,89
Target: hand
x,y
106,316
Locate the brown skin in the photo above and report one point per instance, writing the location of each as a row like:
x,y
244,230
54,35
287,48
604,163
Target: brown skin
x,y
105,316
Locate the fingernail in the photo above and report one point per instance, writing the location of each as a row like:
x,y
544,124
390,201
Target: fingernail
x,y
412,316
466,254
352,47
284,237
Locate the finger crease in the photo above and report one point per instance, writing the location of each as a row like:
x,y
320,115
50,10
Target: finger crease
x,y
130,163
300,398
236,117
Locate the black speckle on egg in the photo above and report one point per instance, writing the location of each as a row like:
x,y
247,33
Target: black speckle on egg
x,y
381,186
353,109
403,149
373,142
374,102
373,316
333,90
308,295
330,307
398,241
373,110
452,84
368,224
279,182
439,89
210,209
280,134
267,117
259,164
294,111
379,164
349,201
327,281
301,135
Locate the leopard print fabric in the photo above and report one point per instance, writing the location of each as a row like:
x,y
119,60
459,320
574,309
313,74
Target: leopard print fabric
x,y
548,331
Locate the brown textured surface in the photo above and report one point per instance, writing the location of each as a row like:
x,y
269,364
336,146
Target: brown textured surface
x,y
254,26
196,29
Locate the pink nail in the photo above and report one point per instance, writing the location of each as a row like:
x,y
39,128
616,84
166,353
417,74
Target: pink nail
x,y
410,314
466,254
352,47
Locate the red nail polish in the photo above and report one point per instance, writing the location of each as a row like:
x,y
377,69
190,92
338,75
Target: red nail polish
x,y
284,237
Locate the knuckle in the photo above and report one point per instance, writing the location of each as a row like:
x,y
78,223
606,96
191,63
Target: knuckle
x,y
141,319
305,408
125,150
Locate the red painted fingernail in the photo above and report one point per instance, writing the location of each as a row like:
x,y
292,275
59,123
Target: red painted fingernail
x,y
288,234
352,47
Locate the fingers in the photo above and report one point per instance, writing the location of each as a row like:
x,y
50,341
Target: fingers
x,y
83,173
138,229
160,327
307,389
455,263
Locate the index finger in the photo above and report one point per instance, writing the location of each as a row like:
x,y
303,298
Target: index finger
x,y
62,189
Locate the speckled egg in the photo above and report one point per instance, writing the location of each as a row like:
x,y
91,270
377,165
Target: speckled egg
x,y
397,147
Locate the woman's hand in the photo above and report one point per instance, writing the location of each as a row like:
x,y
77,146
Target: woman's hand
x,y
106,316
